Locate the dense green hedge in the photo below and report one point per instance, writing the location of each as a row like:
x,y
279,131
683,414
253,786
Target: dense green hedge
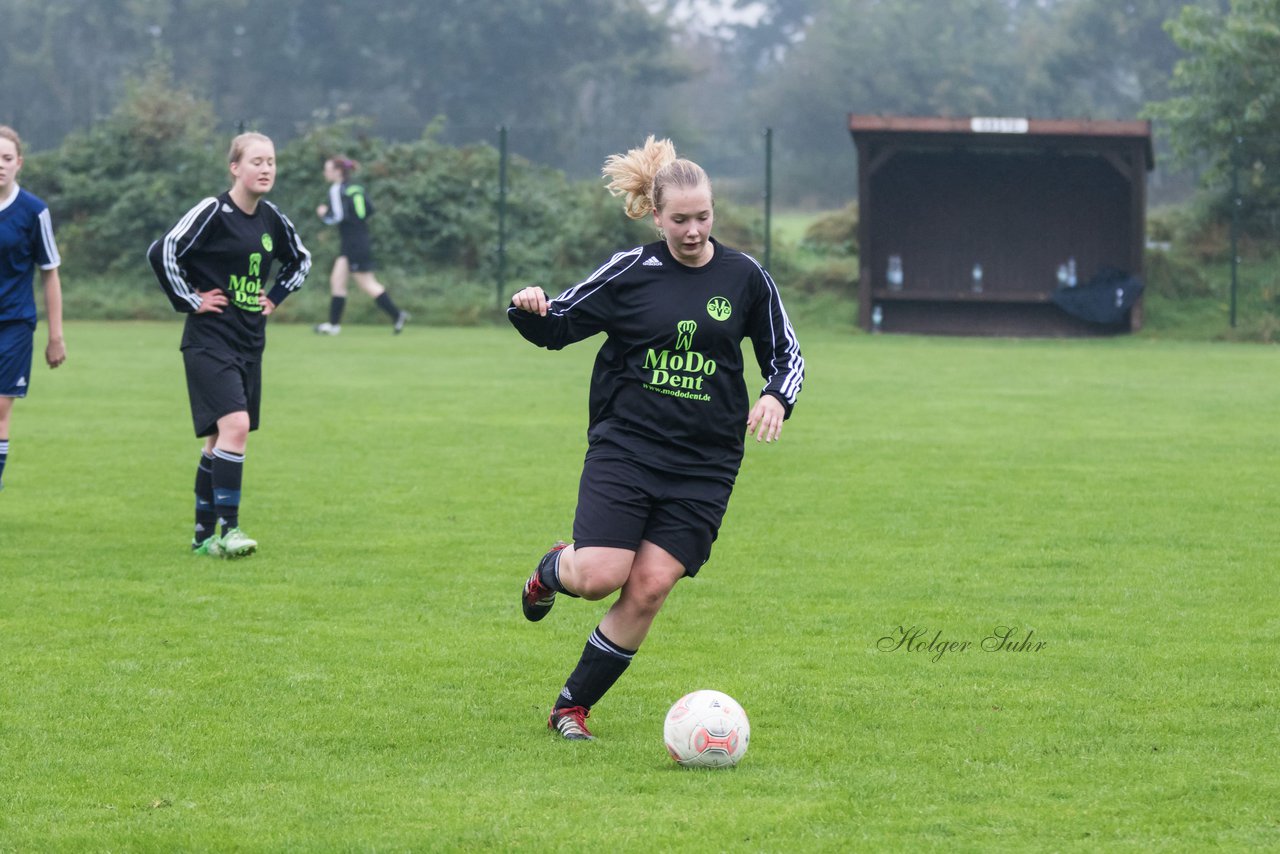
x,y
118,186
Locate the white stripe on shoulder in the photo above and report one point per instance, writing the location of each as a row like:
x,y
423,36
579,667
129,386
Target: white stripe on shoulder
x,y
50,245
335,204
622,261
795,362
191,226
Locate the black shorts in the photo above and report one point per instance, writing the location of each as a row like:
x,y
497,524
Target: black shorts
x,y
621,502
359,254
219,384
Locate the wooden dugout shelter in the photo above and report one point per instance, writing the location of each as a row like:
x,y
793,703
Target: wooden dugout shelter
x,y
969,225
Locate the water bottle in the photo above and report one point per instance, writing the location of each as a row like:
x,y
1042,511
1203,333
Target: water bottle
x,y
894,273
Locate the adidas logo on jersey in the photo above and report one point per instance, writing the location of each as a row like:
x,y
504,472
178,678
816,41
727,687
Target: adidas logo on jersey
x,y
22,382
652,261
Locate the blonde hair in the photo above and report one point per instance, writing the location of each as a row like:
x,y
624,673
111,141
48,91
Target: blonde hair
x,y
644,174
10,134
241,142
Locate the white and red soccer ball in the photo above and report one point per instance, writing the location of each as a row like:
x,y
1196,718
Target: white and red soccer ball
x,y
706,729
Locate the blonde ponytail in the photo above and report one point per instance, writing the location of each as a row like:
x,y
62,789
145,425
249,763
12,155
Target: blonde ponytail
x,y
632,174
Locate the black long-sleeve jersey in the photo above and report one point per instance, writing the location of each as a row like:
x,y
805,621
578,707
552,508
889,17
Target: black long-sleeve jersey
x,y
668,384
217,246
350,209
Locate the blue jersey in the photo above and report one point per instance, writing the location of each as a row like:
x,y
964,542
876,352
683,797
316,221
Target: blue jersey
x,y
26,242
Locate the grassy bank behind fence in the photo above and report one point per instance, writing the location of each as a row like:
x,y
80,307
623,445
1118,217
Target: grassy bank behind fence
x,y
1185,300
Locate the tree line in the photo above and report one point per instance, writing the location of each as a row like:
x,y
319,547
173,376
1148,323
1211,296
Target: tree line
x,y
575,81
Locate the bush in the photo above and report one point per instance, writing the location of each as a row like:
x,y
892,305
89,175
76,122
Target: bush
x,y
1174,275
834,233
438,206
124,182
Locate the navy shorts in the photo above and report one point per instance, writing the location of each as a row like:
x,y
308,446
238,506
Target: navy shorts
x,y
621,502
16,344
219,384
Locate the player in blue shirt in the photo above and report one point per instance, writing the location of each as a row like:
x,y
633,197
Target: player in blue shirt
x,y
26,242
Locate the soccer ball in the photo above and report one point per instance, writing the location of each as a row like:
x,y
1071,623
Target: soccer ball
x,y
706,729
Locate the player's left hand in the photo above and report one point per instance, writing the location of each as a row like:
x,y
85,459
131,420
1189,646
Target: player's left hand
x,y
56,353
765,418
267,305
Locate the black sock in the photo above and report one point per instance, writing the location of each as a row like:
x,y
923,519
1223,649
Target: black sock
x,y
384,302
228,469
4,456
602,662
206,516
336,305
549,572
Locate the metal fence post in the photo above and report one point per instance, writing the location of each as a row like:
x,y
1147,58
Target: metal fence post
x,y
502,212
1235,222
768,196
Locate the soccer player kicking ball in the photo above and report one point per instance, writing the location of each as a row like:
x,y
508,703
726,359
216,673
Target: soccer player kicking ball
x,y
212,266
668,410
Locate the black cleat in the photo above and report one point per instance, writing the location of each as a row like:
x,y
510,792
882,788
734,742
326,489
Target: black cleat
x,y
571,723
537,598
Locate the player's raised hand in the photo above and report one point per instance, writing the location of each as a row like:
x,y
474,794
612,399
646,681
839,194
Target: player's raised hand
x,y
532,299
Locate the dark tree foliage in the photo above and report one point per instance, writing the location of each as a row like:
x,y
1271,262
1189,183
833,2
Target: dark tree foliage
x,y
1226,104
117,186
576,81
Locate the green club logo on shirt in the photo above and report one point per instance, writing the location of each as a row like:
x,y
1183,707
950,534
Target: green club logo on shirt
x,y
266,242
719,308
678,373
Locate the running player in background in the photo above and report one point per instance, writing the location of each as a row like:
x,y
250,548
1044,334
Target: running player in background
x,y
213,265
349,209
26,242
668,410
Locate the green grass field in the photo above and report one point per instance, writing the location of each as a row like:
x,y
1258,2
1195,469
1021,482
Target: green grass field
x,y
366,682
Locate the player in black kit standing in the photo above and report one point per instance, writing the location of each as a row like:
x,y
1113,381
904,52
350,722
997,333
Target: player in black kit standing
x,y
668,410
212,265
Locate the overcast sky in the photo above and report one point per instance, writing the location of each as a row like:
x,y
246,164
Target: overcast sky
x,y
707,15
